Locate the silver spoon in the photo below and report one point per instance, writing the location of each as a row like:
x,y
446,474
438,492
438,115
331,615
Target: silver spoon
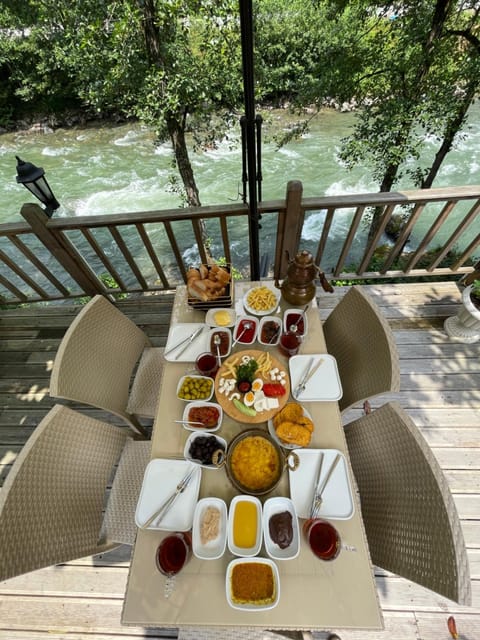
x,y
294,326
247,325
217,340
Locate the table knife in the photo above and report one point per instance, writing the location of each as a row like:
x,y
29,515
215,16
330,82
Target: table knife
x,y
328,475
186,341
315,484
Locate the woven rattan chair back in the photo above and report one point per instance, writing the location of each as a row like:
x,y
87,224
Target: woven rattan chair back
x,y
410,518
96,360
360,339
52,501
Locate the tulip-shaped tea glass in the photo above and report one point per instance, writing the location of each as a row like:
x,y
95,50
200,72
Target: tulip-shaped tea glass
x,y
171,556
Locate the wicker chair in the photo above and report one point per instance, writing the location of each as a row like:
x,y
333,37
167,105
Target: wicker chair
x,y
360,339
52,501
410,518
96,359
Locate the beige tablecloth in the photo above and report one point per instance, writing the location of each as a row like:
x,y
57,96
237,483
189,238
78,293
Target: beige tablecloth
x,y
313,594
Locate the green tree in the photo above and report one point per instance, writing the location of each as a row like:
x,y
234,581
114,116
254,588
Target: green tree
x,y
422,82
174,64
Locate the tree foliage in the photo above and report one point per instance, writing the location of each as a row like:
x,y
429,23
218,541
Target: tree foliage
x,y
411,66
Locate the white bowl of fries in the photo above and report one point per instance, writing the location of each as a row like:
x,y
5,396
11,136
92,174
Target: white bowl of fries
x,y
261,300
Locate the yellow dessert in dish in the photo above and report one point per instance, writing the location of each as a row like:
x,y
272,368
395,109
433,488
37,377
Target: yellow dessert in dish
x,y
245,524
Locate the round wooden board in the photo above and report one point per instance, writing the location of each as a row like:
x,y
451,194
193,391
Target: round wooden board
x,y
228,406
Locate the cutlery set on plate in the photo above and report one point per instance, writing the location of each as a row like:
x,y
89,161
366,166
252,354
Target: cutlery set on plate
x,y
318,488
166,505
186,342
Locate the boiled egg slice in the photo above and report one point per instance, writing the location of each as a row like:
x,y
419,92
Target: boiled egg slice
x,y
249,399
257,385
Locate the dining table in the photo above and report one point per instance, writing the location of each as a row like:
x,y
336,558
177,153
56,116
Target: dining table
x,y
314,594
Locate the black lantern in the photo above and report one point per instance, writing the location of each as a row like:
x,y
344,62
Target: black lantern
x,y
33,179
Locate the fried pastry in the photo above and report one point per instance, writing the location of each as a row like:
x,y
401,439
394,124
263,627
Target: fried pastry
x,y
293,433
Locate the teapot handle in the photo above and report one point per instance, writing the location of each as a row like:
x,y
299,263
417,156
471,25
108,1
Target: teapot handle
x,y
326,286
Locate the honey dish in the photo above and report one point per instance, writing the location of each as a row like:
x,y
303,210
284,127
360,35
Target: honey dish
x,y
245,526
252,584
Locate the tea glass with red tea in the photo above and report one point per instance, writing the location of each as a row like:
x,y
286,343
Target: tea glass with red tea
x,y
171,556
207,364
323,538
289,343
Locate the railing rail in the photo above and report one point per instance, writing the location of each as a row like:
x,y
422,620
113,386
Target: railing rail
x,y
47,259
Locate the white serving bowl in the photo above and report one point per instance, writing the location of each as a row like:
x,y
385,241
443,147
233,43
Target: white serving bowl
x,y
198,434
250,606
213,549
237,328
202,403
296,311
271,507
245,552
192,375
261,312
212,348
263,321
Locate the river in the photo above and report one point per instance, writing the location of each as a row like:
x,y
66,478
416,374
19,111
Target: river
x,y
101,170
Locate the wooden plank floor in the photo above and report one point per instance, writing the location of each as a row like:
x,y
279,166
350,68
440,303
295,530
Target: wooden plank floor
x,y
440,389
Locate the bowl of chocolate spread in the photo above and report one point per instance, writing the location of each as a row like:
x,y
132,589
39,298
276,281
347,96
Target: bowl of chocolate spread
x,y
280,528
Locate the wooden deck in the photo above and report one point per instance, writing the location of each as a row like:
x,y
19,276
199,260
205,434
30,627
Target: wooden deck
x,y
440,389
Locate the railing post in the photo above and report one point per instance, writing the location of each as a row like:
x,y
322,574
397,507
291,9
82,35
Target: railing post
x,y
290,228
38,221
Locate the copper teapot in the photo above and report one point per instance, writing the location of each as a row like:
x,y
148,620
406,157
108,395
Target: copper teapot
x,y
299,287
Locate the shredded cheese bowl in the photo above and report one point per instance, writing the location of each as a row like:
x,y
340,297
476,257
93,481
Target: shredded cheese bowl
x,y
209,532
252,584
254,462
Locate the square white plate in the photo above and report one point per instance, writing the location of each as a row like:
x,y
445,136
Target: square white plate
x,y
325,383
337,496
159,482
179,332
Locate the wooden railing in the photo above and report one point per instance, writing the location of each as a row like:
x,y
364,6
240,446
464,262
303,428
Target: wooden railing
x,y
48,259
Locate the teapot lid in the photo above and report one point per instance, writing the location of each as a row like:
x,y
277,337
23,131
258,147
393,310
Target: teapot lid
x,y
304,258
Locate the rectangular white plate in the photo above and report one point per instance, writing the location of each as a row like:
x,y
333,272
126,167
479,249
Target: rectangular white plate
x,y
325,383
179,332
337,496
159,482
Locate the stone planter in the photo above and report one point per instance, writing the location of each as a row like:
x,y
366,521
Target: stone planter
x,y
465,326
